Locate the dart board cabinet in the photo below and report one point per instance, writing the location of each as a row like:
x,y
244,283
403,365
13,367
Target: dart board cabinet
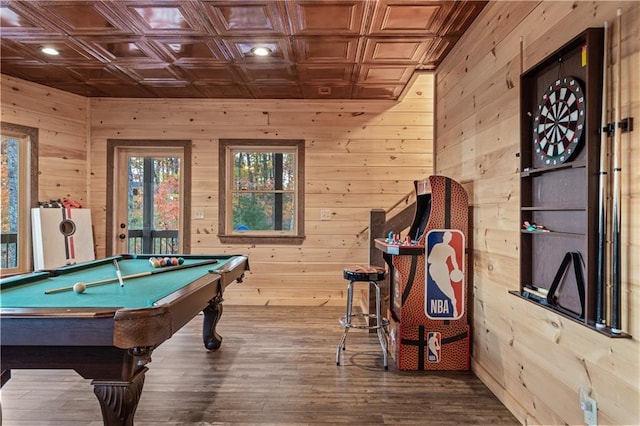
x,y
561,101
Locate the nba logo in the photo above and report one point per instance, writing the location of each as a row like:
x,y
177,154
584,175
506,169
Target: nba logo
x,y
444,278
433,347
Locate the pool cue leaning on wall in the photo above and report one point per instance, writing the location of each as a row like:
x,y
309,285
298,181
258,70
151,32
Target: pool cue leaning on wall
x,y
616,266
601,283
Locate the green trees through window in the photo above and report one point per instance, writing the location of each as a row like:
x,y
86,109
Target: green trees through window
x,y
263,191
261,185
153,199
9,210
162,182
18,193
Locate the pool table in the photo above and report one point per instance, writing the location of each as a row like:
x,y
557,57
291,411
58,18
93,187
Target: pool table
x,y
108,332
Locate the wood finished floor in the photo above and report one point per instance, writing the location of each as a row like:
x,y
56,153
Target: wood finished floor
x,y
276,366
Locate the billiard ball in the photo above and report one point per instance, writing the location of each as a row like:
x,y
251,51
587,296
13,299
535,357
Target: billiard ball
x,y
180,260
79,287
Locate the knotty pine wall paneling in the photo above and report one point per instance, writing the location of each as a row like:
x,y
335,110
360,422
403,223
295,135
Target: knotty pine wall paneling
x,y
62,122
534,360
360,155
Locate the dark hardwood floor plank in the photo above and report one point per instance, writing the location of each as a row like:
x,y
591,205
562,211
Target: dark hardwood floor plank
x,y
276,366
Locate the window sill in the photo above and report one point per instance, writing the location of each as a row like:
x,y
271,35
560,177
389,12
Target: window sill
x,y
259,239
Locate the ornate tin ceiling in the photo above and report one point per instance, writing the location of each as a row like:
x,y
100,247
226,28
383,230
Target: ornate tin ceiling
x,y
321,49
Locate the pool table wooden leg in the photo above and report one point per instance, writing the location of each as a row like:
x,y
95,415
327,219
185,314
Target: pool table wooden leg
x,y
212,313
119,399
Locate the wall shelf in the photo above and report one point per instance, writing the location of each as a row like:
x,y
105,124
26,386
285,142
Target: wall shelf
x,y
530,171
552,233
605,331
558,191
552,208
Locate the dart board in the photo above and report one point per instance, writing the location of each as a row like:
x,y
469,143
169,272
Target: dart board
x,y
559,121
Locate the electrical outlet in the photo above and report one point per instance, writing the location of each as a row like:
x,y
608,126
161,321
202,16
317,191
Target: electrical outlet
x,y
325,214
199,214
589,407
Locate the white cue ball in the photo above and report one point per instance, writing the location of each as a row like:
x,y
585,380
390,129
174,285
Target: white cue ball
x,y
79,287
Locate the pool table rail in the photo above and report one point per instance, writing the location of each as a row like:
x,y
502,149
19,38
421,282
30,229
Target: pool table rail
x,y
112,345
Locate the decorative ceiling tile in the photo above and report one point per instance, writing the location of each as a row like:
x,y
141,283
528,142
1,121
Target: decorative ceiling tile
x,y
338,49
396,50
326,49
327,18
246,17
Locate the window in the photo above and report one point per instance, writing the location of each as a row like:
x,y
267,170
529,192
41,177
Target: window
x,y
19,168
261,191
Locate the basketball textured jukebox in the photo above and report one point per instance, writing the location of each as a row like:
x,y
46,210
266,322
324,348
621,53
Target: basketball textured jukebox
x,y
428,327
561,100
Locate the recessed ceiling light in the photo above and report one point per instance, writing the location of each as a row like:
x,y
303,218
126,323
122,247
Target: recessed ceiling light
x,y
49,50
261,51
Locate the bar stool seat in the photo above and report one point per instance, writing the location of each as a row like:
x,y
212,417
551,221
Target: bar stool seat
x,y
371,275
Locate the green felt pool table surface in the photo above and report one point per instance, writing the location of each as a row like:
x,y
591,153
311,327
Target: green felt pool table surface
x,y
29,291
107,333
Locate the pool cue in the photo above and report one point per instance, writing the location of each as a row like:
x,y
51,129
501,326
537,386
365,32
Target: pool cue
x,y
601,283
132,276
617,169
118,273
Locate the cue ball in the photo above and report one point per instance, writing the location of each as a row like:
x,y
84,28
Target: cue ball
x,y
79,287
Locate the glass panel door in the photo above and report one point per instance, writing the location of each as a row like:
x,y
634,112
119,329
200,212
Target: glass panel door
x,y
150,219
14,208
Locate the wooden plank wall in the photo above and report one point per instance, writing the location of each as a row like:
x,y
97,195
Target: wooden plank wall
x,y
61,119
535,361
360,155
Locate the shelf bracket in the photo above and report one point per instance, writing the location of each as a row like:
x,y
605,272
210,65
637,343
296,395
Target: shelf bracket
x,y
625,125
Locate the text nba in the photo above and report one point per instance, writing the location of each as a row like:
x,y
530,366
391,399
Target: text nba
x,y
439,306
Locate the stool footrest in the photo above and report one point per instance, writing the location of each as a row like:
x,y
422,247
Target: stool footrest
x,y
347,323
370,274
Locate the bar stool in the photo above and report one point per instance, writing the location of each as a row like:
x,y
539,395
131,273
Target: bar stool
x,y
372,275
